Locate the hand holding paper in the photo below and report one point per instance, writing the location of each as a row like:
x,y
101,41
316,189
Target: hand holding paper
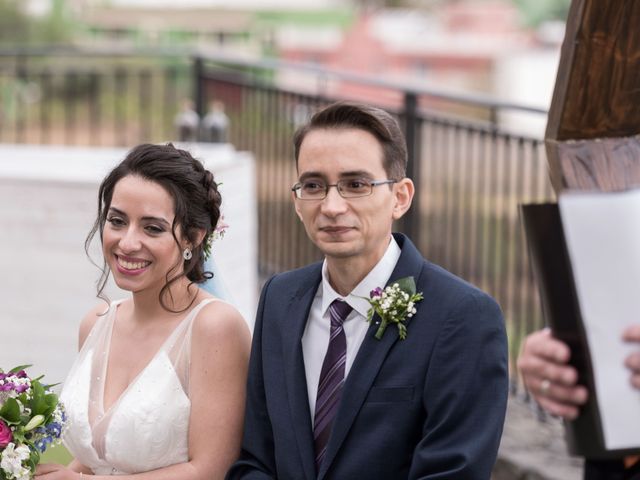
x,y
548,376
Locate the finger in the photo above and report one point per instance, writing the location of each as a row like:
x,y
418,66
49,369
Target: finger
x,y
569,412
632,362
543,344
535,369
546,390
45,468
44,476
631,334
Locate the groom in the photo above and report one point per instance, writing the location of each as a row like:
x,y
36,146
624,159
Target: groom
x,y
325,398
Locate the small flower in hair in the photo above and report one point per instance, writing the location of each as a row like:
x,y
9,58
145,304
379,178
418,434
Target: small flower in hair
x,y
217,234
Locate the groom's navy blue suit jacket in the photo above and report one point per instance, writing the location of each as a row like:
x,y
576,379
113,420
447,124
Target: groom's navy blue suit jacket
x,y
431,406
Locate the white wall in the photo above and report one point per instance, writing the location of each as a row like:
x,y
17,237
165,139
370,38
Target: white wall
x,y
527,77
48,202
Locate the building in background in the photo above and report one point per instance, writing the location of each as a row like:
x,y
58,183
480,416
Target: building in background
x,y
463,46
456,45
247,27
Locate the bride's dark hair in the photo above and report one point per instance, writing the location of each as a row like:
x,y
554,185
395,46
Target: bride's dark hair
x,y
195,196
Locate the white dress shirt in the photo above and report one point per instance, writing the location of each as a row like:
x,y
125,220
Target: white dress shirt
x,y
315,339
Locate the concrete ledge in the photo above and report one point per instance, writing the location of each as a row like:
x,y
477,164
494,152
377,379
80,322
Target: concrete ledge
x,y
532,449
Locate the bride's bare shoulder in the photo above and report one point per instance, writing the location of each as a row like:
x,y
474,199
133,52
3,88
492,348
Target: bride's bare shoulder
x,y
220,321
90,319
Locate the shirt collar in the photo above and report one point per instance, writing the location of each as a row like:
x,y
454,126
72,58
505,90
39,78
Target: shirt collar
x,y
377,277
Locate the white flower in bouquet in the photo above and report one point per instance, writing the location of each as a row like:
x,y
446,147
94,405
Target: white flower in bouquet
x,y
12,461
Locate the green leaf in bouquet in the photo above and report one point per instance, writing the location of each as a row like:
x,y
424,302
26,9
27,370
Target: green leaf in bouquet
x,y
407,285
23,398
10,411
38,401
51,400
18,436
34,458
19,367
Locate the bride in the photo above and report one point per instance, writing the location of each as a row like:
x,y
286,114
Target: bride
x,y
158,388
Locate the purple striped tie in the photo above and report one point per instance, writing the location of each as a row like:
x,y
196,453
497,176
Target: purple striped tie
x,y
331,380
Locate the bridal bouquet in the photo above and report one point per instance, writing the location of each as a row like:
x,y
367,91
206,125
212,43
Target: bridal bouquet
x,y
31,418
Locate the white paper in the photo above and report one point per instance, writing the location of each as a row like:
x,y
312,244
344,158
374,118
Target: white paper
x,y
602,232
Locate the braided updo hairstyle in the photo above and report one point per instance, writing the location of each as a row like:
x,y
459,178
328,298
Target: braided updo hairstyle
x,y
195,196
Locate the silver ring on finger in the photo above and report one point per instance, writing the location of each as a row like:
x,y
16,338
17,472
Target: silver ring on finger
x,y
545,385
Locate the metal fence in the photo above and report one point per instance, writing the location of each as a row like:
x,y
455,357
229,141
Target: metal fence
x,y
470,172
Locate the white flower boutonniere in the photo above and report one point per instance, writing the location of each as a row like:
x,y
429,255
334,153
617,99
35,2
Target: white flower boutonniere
x,y
395,304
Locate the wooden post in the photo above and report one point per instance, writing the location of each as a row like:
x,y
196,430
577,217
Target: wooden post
x,y
593,131
592,137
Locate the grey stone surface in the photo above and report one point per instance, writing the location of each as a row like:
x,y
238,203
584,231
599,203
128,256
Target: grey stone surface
x,y
532,449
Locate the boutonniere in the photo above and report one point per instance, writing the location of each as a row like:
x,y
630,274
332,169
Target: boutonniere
x,y
395,304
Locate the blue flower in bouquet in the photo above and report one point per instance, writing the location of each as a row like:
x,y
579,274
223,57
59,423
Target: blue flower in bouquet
x,y
43,443
54,429
31,419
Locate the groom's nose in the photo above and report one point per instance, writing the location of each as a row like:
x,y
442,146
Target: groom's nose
x,y
333,204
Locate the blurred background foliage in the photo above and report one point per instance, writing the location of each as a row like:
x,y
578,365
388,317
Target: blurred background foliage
x,y
17,27
534,12
537,11
56,26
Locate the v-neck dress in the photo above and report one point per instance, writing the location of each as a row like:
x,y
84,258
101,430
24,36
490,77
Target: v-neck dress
x,y
148,425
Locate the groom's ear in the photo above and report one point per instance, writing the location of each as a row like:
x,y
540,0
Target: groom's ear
x,y
403,191
296,205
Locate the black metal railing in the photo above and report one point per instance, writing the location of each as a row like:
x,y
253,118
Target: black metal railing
x,y
90,98
470,171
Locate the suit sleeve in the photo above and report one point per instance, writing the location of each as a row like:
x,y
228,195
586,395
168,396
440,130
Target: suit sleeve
x,y
256,459
465,394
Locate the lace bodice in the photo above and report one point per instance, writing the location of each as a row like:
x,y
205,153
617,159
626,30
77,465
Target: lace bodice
x,y
147,427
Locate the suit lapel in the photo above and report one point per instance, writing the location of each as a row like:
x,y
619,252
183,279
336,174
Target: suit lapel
x,y
369,358
296,380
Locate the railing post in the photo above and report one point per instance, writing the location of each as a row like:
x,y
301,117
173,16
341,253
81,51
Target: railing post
x,y
19,118
411,219
198,87
493,118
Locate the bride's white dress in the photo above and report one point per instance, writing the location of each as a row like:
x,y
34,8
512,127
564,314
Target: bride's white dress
x,y
147,427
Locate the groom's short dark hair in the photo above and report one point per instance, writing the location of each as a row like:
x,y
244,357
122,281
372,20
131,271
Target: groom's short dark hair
x,y
374,120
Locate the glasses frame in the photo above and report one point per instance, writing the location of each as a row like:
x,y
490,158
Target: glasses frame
x,y
297,188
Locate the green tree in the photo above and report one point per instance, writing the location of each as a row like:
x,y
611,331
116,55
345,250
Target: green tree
x,y
538,11
18,28
14,23
55,27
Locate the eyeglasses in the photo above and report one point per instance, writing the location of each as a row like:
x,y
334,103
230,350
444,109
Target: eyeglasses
x,y
347,188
